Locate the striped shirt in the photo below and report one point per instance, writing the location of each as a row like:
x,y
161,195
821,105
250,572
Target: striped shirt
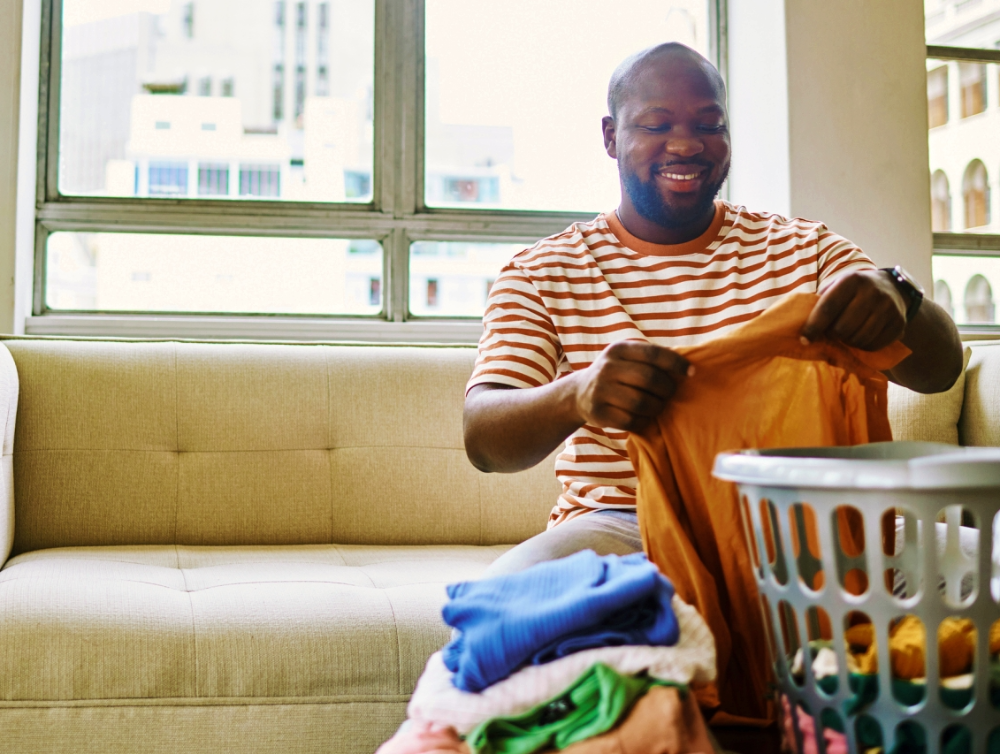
x,y
556,306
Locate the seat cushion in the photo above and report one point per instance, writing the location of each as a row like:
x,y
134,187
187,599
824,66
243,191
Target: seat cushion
x,y
930,418
317,621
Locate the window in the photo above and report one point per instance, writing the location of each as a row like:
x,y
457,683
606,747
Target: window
x,y
976,195
940,202
937,96
378,160
972,78
962,74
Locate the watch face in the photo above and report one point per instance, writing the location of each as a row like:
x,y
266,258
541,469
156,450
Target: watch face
x,y
906,278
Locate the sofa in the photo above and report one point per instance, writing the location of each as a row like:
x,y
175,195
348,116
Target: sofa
x,y
222,547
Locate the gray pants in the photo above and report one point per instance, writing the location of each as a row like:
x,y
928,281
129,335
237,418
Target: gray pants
x,y
606,532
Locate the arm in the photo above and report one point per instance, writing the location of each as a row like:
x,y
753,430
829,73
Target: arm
x,y
865,310
628,385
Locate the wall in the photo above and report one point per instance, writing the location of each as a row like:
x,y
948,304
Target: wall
x,y
10,77
852,99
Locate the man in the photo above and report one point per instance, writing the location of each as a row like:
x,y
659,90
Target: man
x,y
579,328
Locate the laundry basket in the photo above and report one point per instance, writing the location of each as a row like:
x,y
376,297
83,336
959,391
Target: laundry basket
x,y
880,540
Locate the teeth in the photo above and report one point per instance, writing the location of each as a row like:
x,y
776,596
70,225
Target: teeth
x,y
679,177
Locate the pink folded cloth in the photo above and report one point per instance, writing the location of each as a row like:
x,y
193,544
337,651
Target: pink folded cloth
x,y
836,742
423,737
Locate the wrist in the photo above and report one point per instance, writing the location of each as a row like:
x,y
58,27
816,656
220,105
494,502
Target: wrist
x,y
909,291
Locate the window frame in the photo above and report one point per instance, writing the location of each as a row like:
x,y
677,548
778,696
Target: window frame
x,y
396,216
952,243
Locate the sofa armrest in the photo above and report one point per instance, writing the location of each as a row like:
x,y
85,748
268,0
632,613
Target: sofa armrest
x,y
8,413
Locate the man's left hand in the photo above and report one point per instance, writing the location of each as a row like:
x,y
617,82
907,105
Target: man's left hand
x,y
861,309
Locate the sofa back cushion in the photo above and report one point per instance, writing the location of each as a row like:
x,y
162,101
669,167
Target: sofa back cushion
x,y
980,420
930,418
238,444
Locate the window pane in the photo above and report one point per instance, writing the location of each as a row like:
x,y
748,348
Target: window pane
x,y
967,287
174,273
964,120
452,279
254,99
515,93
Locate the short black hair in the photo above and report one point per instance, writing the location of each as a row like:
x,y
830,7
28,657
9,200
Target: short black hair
x,y
624,76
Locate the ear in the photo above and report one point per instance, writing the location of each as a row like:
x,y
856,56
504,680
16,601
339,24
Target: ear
x,y
608,128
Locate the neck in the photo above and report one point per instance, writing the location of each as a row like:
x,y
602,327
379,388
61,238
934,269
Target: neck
x,y
649,231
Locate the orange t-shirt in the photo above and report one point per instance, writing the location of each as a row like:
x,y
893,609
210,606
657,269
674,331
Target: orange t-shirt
x,y
755,387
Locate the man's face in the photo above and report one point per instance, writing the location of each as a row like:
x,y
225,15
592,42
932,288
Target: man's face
x,y
671,140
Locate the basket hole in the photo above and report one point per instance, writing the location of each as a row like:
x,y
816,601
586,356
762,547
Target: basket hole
x,y
910,737
956,661
957,537
772,541
956,738
868,733
807,728
852,571
823,658
805,545
791,642
994,650
862,659
907,661
748,530
901,546
833,731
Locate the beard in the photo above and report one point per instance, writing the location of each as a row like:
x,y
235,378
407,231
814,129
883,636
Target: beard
x,y
649,203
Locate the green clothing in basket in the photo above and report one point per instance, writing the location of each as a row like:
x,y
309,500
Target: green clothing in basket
x,y
593,705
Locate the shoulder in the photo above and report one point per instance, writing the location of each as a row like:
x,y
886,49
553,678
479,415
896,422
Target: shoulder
x,y
566,249
745,221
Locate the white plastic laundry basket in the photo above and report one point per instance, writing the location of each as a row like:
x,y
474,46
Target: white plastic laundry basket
x,y
931,549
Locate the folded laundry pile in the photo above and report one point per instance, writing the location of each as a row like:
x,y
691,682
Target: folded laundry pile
x,y
907,661
587,653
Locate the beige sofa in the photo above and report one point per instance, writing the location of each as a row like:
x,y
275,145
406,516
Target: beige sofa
x,y
228,547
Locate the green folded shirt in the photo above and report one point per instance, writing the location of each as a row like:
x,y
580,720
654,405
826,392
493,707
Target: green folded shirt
x,y
593,705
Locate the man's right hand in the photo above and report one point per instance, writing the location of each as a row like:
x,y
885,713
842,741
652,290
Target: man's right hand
x,y
629,384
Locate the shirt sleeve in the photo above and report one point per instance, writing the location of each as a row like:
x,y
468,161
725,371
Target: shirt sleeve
x,y
837,255
519,346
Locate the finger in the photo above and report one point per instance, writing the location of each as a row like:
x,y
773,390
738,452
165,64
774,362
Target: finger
x,y
647,378
651,354
852,319
633,402
828,308
889,332
869,331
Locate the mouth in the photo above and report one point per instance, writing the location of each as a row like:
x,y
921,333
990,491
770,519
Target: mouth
x,y
681,178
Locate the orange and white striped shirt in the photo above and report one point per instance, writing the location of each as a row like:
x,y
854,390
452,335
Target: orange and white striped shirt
x,y
556,306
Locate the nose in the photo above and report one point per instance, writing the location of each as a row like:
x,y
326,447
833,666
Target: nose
x,y
684,146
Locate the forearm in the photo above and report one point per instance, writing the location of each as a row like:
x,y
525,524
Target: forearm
x,y
936,361
513,429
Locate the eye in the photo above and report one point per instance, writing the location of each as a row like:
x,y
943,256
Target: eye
x,y
713,128
663,128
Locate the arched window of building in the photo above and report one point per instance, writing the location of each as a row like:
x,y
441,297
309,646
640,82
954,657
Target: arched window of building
x,y
972,79
976,194
979,308
937,96
942,297
940,202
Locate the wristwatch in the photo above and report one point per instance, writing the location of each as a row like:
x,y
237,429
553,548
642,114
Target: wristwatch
x,y
910,289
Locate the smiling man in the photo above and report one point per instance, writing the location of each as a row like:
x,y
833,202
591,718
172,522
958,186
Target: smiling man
x,y
579,328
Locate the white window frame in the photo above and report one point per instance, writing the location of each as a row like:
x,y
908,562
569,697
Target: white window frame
x,y
967,244
396,215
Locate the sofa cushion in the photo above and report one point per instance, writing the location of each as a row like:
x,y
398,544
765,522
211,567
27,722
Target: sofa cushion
x,y
124,443
931,418
322,622
980,422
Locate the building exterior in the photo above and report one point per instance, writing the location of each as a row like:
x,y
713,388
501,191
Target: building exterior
x,y
964,138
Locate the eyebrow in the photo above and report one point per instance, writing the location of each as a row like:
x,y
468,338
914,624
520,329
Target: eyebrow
x,y
713,108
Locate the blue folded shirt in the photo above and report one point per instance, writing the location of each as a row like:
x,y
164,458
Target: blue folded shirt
x,y
554,609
